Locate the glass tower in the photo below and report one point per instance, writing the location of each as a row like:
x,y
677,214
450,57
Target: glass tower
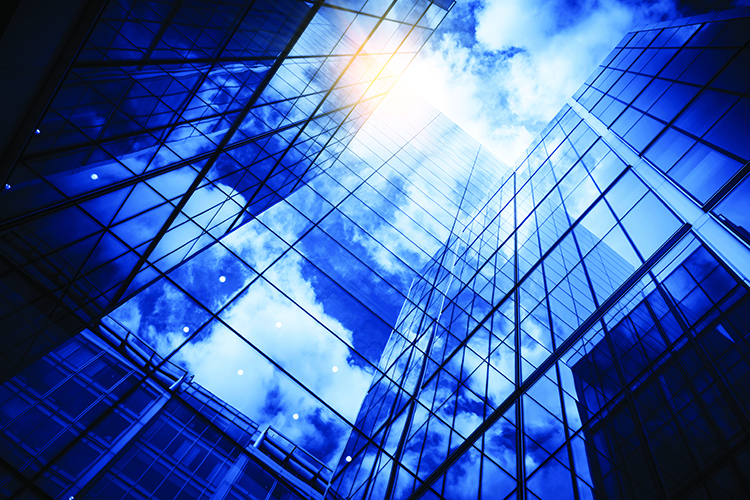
x,y
573,327
584,336
174,123
322,273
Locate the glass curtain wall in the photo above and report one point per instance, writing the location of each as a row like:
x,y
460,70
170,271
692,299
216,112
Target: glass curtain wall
x,y
177,122
581,338
287,317
677,94
95,419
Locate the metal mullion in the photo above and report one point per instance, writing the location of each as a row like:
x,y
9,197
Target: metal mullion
x,y
396,257
160,273
635,415
658,366
392,417
661,364
436,321
420,377
237,145
114,63
728,187
703,87
213,157
521,280
397,188
358,52
429,257
204,60
61,289
142,380
439,168
730,458
271,361
116,107
690,383
225,139
361,13
151,131
562,203
43,256
51,87
566,444
390,420
290,247
313,317
554,357
692,339
625,70
487,203
64,288
26,483
557,367
75,201
205,228
259,351
568,437
191,93
159,34
547,154
261,276
518,375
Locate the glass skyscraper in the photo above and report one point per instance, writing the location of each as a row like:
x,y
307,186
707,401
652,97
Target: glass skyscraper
x,y
175,123
584,335
246,262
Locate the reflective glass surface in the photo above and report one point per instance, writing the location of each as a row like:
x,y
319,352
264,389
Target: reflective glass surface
x,y
677,92
284,301
302,299
177,122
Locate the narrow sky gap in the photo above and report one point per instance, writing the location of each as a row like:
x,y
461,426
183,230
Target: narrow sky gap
x,y
501,69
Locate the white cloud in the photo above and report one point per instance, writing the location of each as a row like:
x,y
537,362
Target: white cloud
x,y
302,346
503,80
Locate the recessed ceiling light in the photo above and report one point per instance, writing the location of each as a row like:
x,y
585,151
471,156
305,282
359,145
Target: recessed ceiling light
x,y
295,416
335,369
94,176
278,324
186,329
240,372
222,278
348,458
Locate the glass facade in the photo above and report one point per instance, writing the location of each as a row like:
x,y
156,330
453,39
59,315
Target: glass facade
x,y
582,336
405,316
677,94
320,276
175,123
91,420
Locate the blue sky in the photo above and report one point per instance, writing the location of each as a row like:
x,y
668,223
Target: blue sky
x,y
501,69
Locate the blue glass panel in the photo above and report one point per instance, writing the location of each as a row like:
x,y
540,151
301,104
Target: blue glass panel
x,y
706,65
736,76
702,171
703,113
736,209
668,149
730,132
